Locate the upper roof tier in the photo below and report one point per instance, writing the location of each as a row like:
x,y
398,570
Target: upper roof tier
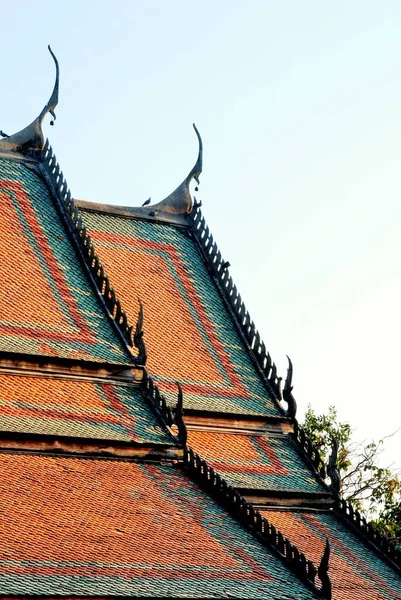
x,y
190,335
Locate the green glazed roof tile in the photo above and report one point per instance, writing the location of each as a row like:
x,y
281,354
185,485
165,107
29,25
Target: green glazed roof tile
x,y
190,335
48,305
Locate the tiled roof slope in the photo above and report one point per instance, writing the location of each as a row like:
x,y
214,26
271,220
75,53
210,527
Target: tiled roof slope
x,y
47,304
189,334
104,527
356,571
78,408
256,461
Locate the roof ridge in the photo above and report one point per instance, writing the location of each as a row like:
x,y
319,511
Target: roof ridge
x,y
309,449
366,529
257,349
219,269
52,173
254,343
258,525
168,416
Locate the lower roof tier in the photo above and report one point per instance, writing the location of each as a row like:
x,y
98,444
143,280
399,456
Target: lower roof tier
x,y
189,333
47,405
105,527
356,571
257,462
47,305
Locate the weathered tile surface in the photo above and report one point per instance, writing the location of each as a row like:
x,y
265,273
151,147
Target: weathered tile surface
x,y
356,571
77,408
104,527
189,334
47,304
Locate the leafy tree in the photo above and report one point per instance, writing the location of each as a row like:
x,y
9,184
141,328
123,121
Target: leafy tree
x,y
369,487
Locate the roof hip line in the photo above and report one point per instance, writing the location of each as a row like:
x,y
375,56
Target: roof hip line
x,y
50,168
308,448
259,526
364,527
257,350
219,269
255,345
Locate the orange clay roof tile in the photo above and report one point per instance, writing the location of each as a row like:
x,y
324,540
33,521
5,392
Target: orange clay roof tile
x,y
78,408
104,527
255,462
355,570
189,333
47,306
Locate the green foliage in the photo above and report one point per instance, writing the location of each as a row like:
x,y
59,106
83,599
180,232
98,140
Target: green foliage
x,y
322,429
369,487
388,521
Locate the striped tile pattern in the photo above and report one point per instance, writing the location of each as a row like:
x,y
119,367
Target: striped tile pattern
x,y
356,571
47,306
255,462
95,527
78,408
189,333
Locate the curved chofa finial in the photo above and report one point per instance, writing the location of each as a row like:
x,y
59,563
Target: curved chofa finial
x,y
180,202
138,337
179,416
332,470
31,139
287,392
323,572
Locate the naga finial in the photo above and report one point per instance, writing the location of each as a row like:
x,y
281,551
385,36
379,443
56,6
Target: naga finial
x,y
197,168
179,416
31,139
179,202
138,337
332,470
287,391
323,572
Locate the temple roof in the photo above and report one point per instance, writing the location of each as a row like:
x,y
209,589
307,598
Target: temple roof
x,y
101,527
100,494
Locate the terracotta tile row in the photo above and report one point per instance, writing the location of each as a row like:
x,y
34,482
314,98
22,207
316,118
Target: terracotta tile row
x,y
110,527
77,408
355,570
258,462
47,304
189,333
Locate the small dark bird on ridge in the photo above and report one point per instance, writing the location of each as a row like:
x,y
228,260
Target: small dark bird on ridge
x,y
146,202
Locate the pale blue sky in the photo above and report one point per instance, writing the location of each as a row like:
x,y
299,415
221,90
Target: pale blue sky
x,y
299,106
